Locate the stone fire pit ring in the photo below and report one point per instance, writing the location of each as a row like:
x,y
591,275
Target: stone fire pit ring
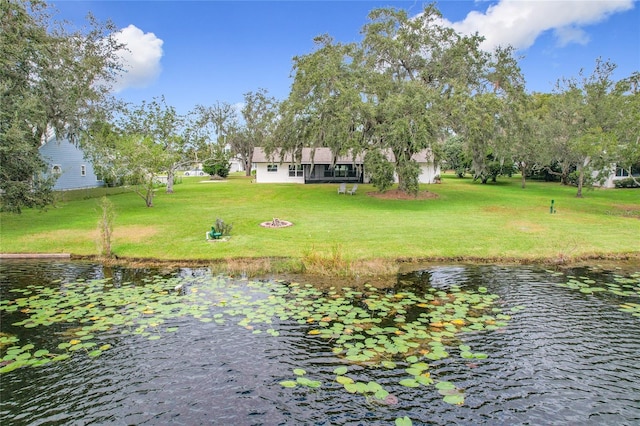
x,y
276,223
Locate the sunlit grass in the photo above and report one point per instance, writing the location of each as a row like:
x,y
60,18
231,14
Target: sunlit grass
x,y
466,220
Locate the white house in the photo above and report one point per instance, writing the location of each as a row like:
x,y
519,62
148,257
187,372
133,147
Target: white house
x,y
317,166
619,173
66,162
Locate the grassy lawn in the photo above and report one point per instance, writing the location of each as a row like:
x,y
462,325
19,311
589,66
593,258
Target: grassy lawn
x,y
466,220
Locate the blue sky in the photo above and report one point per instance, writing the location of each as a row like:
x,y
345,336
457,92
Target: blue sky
x,y
202,52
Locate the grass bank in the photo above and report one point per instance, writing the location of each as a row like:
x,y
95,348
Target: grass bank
x,y
466,221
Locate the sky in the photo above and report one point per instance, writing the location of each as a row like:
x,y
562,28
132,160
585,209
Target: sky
x,y
204,52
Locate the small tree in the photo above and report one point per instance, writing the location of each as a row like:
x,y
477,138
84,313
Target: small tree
x,y
219,164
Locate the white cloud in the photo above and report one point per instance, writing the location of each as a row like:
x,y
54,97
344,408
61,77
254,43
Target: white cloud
x,y
520,22
568,35
141,60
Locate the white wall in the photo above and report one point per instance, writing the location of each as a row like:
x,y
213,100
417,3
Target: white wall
x,y
427,174
281,176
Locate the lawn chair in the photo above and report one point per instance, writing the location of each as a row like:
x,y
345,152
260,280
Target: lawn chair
x,y
342,189
352,191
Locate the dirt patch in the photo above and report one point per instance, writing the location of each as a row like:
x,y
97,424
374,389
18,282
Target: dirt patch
x,y
625,210
133,233
396,194
72,236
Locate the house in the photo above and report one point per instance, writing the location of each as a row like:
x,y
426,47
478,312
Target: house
x,y
67,162
317,166
620,173
616,173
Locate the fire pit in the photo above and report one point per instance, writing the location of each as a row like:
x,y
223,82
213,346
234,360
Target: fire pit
x,y
276,223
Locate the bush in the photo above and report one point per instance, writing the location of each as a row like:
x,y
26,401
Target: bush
x,y
219,163
223,228
626,183
213,168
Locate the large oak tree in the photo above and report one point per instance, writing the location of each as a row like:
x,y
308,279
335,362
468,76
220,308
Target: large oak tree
x,y
52,79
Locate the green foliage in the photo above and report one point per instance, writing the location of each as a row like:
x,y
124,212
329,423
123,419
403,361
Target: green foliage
x,y
393,92
50,83
627,183
403,421
585,119
317,262
455,156
379,169
219,164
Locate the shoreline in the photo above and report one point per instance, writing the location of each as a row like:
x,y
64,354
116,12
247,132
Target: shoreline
x,y
344,268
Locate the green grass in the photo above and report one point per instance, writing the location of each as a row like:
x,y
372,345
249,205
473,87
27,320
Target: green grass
x,y
467,220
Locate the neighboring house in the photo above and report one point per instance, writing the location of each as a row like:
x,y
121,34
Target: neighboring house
x,y
619,173
67,162
317,166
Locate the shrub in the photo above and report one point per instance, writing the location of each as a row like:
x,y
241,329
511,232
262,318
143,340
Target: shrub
x,y
219,163
626,183
223,228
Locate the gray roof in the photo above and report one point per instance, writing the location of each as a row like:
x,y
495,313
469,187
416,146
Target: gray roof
x,y
323,156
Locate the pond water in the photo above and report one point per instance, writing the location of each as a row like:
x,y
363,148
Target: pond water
x,y
85,344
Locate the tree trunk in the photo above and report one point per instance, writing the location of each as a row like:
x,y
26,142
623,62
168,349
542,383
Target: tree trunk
x,y
170,174
523,173
580,181
247,166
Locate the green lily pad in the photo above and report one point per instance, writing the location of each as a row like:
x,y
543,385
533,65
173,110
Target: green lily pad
x,y
455,399
403,421
340,370
410,383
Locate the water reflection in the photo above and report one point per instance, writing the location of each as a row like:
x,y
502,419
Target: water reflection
x,y
567,358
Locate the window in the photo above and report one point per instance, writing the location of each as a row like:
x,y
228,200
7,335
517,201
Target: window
x,y
296,170
83,170
56,170
272,168
340,170
624,172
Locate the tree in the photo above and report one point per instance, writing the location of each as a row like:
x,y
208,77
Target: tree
x,y
220,116
627,123
127,158
557,137
586,115
219,162
393,93
455,156
324,108
259,115
51,79
161,123
380,169
489,116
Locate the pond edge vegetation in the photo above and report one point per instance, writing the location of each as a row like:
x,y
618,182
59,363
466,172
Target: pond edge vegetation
x,y
315,264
